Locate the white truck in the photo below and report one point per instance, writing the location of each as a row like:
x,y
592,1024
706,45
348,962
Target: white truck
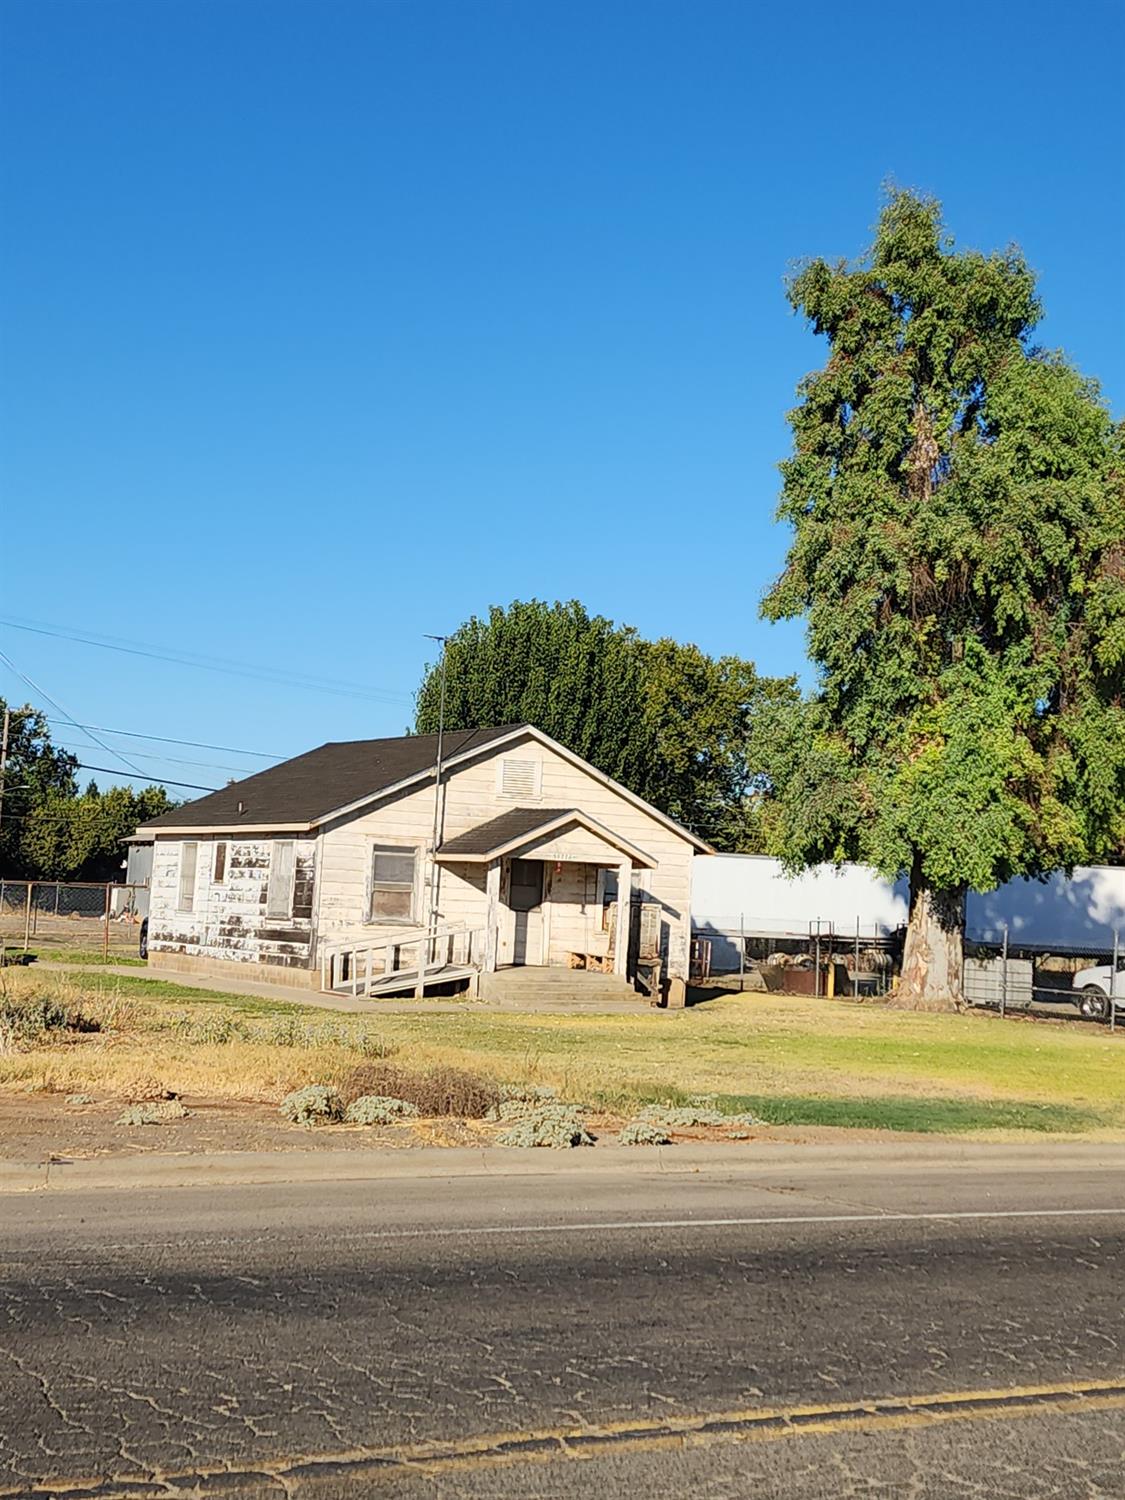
x,y
1093,988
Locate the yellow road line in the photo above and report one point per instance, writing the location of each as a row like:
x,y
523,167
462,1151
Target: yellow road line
x,y
554,1444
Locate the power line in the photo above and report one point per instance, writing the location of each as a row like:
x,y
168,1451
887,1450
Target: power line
x,y
140,776
163,739
172,760
218,664
34,686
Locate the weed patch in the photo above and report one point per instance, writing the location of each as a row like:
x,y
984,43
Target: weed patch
x,y
644,1133
556,1126
432,1091
378,1109
316,1104
159,1112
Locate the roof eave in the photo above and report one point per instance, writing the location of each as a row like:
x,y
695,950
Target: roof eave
x,y
188,829
638,856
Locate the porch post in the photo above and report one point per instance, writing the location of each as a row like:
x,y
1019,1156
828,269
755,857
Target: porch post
x,y
492,916
624,917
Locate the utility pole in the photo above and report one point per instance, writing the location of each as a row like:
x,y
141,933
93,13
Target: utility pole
x,y
4,759
4,737
442,640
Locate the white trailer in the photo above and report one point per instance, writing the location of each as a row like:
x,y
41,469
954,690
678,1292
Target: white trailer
x,y
752,894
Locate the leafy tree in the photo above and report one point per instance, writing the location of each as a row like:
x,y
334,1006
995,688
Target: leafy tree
x,y
958,508
79,837
666,720
35,769
697,721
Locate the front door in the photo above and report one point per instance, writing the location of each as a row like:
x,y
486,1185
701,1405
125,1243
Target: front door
x,y
521,928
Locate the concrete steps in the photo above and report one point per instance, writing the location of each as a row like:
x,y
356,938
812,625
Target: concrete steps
x,y
559,989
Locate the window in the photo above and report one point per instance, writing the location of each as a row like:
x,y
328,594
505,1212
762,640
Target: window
x,y
518,778
525,884
607,896
279,893
219,869
392,883
189,856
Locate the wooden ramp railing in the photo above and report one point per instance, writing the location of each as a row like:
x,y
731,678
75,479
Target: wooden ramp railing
x,y
407,960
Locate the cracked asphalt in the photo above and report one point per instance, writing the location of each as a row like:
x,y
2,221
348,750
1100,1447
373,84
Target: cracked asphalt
x,y
153,1342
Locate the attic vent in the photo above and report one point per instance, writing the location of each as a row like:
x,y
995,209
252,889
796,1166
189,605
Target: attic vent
x,y
518,778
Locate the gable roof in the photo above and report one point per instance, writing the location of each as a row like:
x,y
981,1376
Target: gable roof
x,y
306,790
513,829
341,777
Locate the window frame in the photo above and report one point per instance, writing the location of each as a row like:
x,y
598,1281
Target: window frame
x,y
185,899
274,913
372,918
606,897
219,866
541,885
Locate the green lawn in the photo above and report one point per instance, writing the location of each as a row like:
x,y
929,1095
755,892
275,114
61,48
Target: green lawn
x,y
787,1059
143,988
87,957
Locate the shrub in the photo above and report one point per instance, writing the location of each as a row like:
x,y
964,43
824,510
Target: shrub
x,y
312,1105
518,1101
378,1109
455,1091
213,1030
434,1091
555,1125
80,1099
292,1031
528,1093
27,1019
644,1133
699,1111
153,1113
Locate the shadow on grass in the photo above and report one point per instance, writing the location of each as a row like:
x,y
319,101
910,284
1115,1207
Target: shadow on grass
x,y
929,1116
165,989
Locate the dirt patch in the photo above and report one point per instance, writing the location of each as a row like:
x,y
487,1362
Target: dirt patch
x,y
37,1127
34,1127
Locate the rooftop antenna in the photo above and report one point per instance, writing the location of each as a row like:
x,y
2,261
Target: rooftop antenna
x,y
442,641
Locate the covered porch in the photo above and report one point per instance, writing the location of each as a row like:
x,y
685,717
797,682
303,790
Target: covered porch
x,y
554,882
540,889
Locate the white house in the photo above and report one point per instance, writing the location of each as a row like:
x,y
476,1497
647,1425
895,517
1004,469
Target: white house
x,y
323,871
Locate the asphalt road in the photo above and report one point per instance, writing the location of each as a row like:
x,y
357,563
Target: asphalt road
x,y
558,1336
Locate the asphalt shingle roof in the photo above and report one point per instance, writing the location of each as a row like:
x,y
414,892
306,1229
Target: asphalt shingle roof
x,y
520,825
498,832
312,786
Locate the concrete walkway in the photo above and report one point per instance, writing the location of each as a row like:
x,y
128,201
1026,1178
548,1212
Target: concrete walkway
x,y
546,1003
869,1161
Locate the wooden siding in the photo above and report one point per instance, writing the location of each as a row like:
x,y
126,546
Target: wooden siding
x,y
229,920
471,796
574,843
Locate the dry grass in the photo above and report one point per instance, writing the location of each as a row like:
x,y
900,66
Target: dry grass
x,y
807,1060
432,1091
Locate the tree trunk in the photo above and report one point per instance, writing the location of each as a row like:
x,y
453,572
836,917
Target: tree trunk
x,y
933,958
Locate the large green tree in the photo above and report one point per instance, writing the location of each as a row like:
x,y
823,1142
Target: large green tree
x,y
958,512
80,837
665,719
47,830
35,768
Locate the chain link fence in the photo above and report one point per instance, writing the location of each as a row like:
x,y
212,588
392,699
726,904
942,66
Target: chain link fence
x,y
1013,976
859,960
822,958
61,918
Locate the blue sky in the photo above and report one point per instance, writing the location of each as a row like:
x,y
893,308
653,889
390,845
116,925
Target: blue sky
x,y
328,324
